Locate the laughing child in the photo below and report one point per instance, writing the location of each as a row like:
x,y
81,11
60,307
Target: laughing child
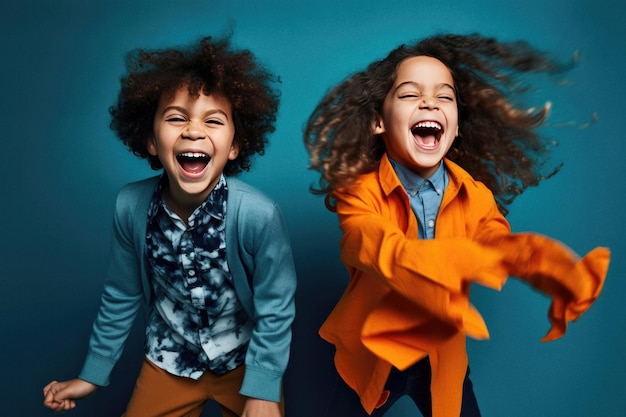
x,y
206,255
419,154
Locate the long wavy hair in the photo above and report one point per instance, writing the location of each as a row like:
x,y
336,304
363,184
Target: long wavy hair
x,y
208,66
498,144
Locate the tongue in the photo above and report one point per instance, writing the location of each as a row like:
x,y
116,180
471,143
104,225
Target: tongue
x,y
429,141
193,165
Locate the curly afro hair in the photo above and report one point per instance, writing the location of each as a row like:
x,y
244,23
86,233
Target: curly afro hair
x,y
210,66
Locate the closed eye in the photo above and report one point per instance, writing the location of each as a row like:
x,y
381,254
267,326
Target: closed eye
x,y
175,119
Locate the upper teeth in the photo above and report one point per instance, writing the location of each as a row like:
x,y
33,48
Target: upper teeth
x,y
428,125
193,155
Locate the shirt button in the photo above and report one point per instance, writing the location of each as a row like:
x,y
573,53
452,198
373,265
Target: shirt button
x,y
431,223
191,273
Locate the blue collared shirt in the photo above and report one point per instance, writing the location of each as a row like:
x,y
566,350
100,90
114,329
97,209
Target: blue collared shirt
x,y
425,195
197,322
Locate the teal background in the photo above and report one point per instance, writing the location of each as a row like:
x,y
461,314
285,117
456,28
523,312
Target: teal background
x,y
61,168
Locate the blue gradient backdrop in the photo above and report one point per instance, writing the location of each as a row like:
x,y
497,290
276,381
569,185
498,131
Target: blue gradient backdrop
x,y
62,167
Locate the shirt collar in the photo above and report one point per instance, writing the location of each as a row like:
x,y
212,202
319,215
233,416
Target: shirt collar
x,y
413,183
213,205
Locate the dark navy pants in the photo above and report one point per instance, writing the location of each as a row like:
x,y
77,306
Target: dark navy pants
x,y
414,382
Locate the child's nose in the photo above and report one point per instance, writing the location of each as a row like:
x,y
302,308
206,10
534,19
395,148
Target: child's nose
x,y
428,102
194,130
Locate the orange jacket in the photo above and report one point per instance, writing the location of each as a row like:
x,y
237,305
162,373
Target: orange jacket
x,y
408,298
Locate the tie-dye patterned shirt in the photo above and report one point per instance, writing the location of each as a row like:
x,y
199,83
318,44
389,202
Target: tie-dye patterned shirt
x,y
197,323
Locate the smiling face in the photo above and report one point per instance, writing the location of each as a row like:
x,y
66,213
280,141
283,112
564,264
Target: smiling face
x,y
419,120
193,139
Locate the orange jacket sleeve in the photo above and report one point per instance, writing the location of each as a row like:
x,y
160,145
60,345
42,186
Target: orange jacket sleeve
x,y
554,269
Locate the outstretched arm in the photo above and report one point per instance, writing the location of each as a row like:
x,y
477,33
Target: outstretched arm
x,y
549,266
62,396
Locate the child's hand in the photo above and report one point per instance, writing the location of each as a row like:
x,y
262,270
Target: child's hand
x,y
261,408
61,396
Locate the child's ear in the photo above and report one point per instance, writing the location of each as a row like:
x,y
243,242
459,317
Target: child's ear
x,y
378,126
151,146
234,150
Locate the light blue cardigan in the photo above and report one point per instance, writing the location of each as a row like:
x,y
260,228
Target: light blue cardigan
x,y
260,259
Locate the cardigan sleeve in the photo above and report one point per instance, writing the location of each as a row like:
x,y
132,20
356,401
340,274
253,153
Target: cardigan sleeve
x,y
265,279
274,284
121,299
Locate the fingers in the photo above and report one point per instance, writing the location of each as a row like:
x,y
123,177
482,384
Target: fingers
x,y
53,398
63,406
46,389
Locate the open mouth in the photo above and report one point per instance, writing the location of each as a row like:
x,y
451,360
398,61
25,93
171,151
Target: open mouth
x,y
193,162
427,133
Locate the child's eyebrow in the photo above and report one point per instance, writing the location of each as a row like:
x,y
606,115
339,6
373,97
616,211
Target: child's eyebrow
x,y
214,111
